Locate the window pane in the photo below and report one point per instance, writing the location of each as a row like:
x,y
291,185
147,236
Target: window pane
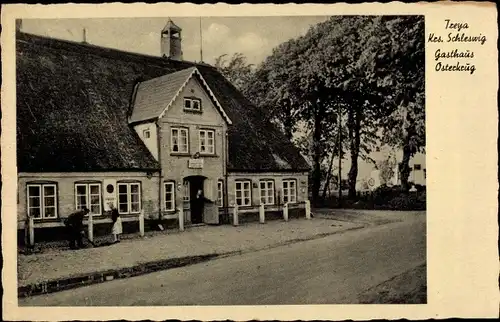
x,y
169,196
134,188
187,103
95,189
94,200
81,189
122,198
122,188
50,212
34,202
123,207
33,191
49,191
49,201
34,212
95,209
184,141
134,198
134,207
81,201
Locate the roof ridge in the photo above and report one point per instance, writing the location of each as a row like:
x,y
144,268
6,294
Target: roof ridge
x,y
58,43
163,77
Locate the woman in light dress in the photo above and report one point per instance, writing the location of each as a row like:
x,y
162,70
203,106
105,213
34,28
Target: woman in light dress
x,y
117,229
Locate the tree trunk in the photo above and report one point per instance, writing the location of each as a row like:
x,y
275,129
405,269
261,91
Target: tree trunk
x,y
289,121
328,176
316,175
355,143
404,166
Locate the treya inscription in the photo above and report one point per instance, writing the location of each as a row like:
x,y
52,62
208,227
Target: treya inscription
x,y
458,34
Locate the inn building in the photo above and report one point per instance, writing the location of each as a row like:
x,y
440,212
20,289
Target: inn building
x,y
102,128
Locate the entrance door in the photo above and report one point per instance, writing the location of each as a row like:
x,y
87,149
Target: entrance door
x,y
196,184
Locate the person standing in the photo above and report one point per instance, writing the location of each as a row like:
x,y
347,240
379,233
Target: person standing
x,y
74,225
117,229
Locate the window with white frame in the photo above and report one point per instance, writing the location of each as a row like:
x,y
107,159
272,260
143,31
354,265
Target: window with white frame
x,y
179,140
192,104
169,201
266,192
207,141
289,191
129,197
186,196
146,134
220,193
88,195
42,201
243,193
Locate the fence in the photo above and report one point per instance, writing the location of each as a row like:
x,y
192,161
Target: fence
x,y
235,212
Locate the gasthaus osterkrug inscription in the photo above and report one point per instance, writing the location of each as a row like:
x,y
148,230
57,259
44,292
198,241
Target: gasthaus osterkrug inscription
x,y
458,59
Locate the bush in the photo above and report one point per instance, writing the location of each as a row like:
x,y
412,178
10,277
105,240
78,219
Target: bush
x,y
410,201
384,197
383,194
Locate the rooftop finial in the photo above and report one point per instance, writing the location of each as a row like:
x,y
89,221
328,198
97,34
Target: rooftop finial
x,y
84,35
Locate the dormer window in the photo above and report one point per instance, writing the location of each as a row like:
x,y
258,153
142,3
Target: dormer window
x,y
192,104
146,134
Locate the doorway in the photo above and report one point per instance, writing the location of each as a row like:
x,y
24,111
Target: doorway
x,y
196,206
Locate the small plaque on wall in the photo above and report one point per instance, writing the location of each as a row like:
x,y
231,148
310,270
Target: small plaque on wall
x,y
195,163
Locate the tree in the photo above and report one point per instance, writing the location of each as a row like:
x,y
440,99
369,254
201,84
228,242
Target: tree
x,y
357,68
404,124
236,70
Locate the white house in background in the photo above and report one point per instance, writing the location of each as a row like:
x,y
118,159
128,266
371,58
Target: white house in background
x,y
368,173
418,168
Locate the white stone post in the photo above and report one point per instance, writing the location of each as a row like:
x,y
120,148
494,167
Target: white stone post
x,y
285,212
141,223
181,218
31,229
308,209
90,227
262,214
235,216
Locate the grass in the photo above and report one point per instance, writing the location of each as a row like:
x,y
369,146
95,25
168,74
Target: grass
x,y
407,288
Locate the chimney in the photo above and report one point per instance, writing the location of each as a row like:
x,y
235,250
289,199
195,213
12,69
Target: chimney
x,y
171,41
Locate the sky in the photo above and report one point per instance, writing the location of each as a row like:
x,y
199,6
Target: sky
x,y
255,37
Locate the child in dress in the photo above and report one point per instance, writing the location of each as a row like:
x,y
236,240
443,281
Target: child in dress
x,y
117,225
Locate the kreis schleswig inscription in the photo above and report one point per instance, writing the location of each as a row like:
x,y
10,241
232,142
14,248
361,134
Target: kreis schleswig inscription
x,y
461,58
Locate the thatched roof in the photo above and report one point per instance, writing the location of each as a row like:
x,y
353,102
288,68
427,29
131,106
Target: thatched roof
x,y
73,102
